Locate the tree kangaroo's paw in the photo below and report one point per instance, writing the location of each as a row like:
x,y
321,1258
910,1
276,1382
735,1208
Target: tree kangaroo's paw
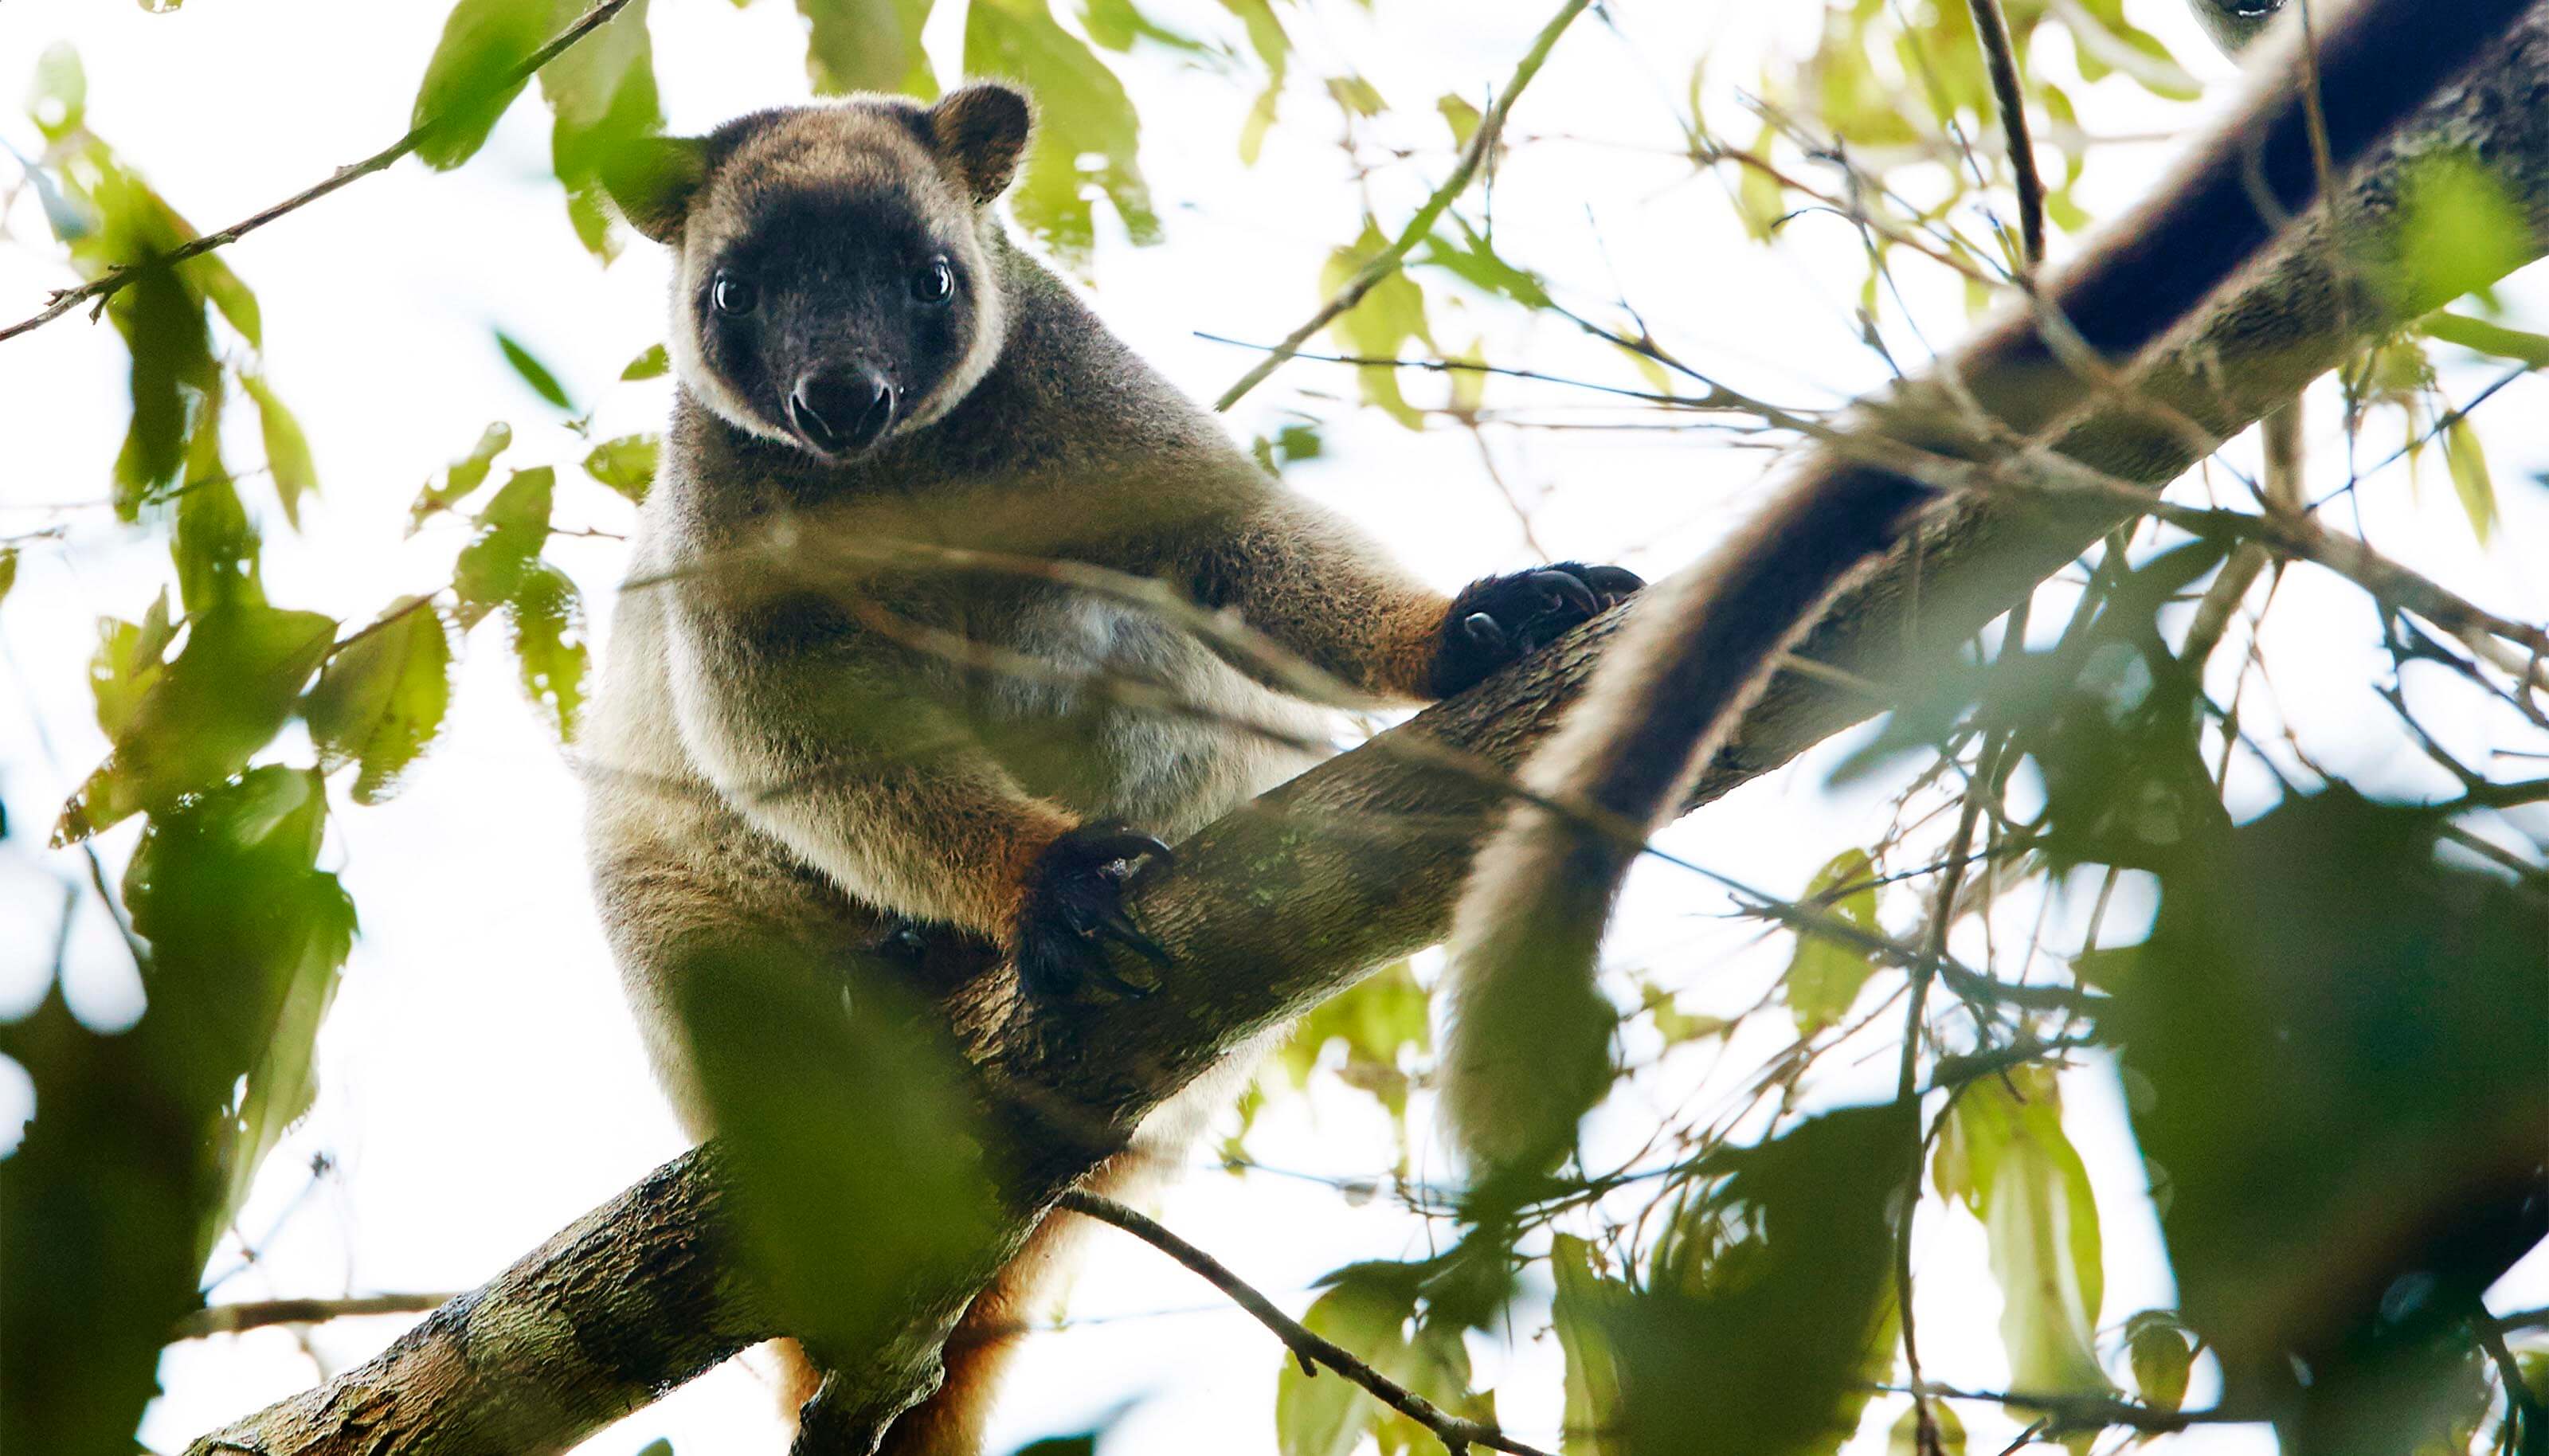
x,y
1500,620
1074,906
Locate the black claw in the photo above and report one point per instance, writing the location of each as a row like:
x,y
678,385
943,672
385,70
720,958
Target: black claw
x,y
1501,619
1566,589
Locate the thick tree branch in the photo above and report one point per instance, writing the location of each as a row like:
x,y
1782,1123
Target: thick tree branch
x,y
1285,902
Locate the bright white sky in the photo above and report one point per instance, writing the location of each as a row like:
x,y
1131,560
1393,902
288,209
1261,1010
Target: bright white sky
x,y
482,1085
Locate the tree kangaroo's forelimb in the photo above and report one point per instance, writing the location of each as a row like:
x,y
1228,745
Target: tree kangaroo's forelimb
x,y
1288,900
1527,1053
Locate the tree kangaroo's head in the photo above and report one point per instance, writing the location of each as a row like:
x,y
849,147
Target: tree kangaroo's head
x,y
831,282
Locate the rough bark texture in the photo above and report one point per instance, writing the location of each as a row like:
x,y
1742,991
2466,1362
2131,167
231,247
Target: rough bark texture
x,y
1286,901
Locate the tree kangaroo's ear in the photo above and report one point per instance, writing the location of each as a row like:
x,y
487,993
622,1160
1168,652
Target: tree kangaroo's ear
x,y
653,181
982,131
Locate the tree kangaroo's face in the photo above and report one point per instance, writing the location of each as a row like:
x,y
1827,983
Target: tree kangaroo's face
x,y
832,285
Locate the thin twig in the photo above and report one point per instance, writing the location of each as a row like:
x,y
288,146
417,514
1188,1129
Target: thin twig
x,y
261,1314
1991,26
1458,1433
1381,265
116,279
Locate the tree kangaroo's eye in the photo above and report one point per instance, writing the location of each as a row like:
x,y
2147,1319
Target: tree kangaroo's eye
x,y
935,283
733,295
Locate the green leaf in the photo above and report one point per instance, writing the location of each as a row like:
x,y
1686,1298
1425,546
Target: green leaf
x,y
129,659
223,698
1357,95
491,568
1825,974
602,96
58,103
2459,229
2471,482
287,449
652,364
173,374
867,45
1459,115
1582,1312
381,698
660,1446
1326,1415
1274,50
225,888
1384,1016
1906,1439
465,84
2004,1154
1379,324
533,372
1676,1025
2488,339
462,477
8,570
625,464
1082,112
2162,1356
547,620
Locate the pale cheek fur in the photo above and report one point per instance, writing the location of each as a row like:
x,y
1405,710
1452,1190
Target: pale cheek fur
x,y
681,346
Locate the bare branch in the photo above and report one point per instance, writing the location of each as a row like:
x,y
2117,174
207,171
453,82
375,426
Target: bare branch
x,y
261,1314
1458,1432
1386,262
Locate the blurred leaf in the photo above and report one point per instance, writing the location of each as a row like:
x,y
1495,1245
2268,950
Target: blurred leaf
x,y
510,531
1274,50
1082,1445
173,373
1906,1439
1769,1314
127,662
8,570
218,703
1328,1414
1676,1025
1582,1315
1384,1015
1758,199
547,620
852,1128
2470,480
2488,339
1357,95
286,450
601,93
2003,1154
2339,1025
381,698
652,364
1082,112
2459,229
121,1176
2162,1357
533,372
659,1446
1117,23
1379,324
57,102
1474,262
1825,974
1459,115
465,82
1434,1363
463,476
867,45
229,888
625,464
213,546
